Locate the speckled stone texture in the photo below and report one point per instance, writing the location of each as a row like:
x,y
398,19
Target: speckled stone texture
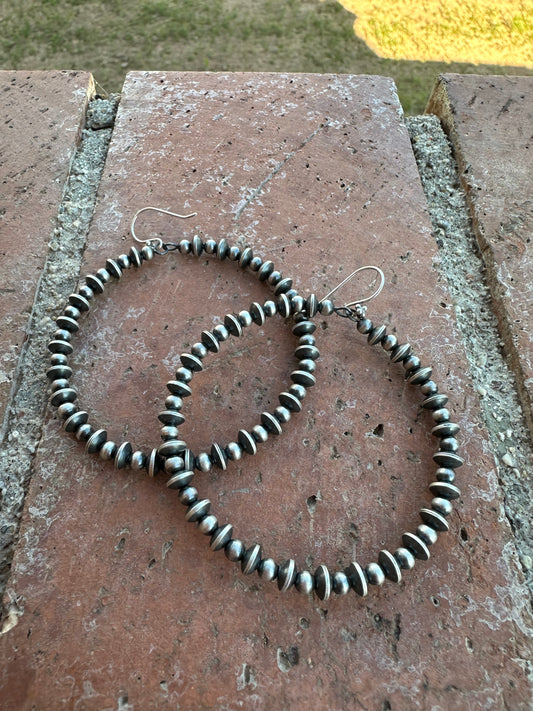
x,y
41,115
121,602
489,121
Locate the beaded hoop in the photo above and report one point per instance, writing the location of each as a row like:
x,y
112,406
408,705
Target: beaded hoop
x,y
389,565
76,422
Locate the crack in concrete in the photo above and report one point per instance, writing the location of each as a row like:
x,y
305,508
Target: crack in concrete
x,y
247,201
21,430
463,266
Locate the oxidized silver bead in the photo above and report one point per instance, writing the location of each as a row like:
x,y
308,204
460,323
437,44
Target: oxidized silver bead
x,y
188,495
153,463
291,402
220,332
222,249
210,341
251,559
95,441
298,391
59,384
412,363
178,387
66,409
405,558
234,550
191,362
218,456
108,450
419,376
198,510
416,545
374,574
376,335
123,455
197,246
308,365
442,506
234,253
270,308
303,378
86,292
68,324
180,479
174,464
113,268
247,442
245,318
255,264
246,257
435,401
434,519
364,326
304,583
59,371
389,342
232,323
444,489
124,261
58,359
203,462
75,420
184,373
83,432
441,415
173,402
326,307
389,564
429,388
274,277
445,475
445,429
427,534
208,524
233,451
307,352
449,460
221,536
171,448
282,414
340,583
265,270
268,569
171,417
323,582
286,575
184,247
199,350
270,423
138,460
257,314
259,433
147,253
94,283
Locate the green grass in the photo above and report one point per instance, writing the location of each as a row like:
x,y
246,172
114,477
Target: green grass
x,y
110,38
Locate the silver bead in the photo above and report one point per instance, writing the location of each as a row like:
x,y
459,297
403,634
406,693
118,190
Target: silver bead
x,y
232,323
270,308
297,304
274,277
138,460
405,558
286,575
171,448
434,402
210,246
184,373
72,312
188,495
233,451
199,350
323,582
270,423
197,246
434,519
429,388
246,257
245,318
304,583
442,506
308,365
208,524
234,550
427,534
75,420
234,253
257,314
416,545
419,376
441,415
222,249
169,432
374,574
411,363
376,335
184,247
449,460
268,569
389,564
153,463
282,414
220,332
307,352
171,417
251,559
147,253
62,335
94,283
178,387
210,341
265,270
255,264
59,371
203,462
83,432
63,347
59,384
445,429
198,510
191,362
311,306
180,479
284,306
113,268
340,583
445,475
364,326
95,441
291,402
86,292
326,307
173,402
298,391
247,442
174,464
303,378
124,261
79,301
218,456
123,455
67,324
389,342
108,450
58,359
259,433
66,409
221,536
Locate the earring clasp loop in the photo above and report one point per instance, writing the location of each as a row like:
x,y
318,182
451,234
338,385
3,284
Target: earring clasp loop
x,y
155,241
357,302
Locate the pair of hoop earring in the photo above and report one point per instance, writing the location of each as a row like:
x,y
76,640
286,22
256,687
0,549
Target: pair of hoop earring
x,y
178,462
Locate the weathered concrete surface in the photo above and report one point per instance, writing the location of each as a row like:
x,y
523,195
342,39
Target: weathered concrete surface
x,y
41,115
489,121
121,602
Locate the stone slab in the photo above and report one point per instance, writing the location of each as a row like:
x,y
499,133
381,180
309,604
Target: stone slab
x,y
119,602
489,121
41,115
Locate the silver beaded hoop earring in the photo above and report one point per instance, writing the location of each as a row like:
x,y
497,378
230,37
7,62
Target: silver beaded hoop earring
x,y
178,464
76,420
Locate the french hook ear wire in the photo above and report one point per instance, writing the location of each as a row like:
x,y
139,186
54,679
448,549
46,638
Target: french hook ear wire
x,y
358,302
156,241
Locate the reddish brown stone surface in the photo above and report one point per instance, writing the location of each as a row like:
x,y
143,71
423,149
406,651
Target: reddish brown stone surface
x,y
122,604
489,120
41,115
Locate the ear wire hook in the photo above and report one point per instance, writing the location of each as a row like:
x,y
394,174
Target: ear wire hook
x,y
357,302
156,241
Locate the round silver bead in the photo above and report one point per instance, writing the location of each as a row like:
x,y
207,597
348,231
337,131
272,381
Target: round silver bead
x,y
268,569
304,583
374,574
234,550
